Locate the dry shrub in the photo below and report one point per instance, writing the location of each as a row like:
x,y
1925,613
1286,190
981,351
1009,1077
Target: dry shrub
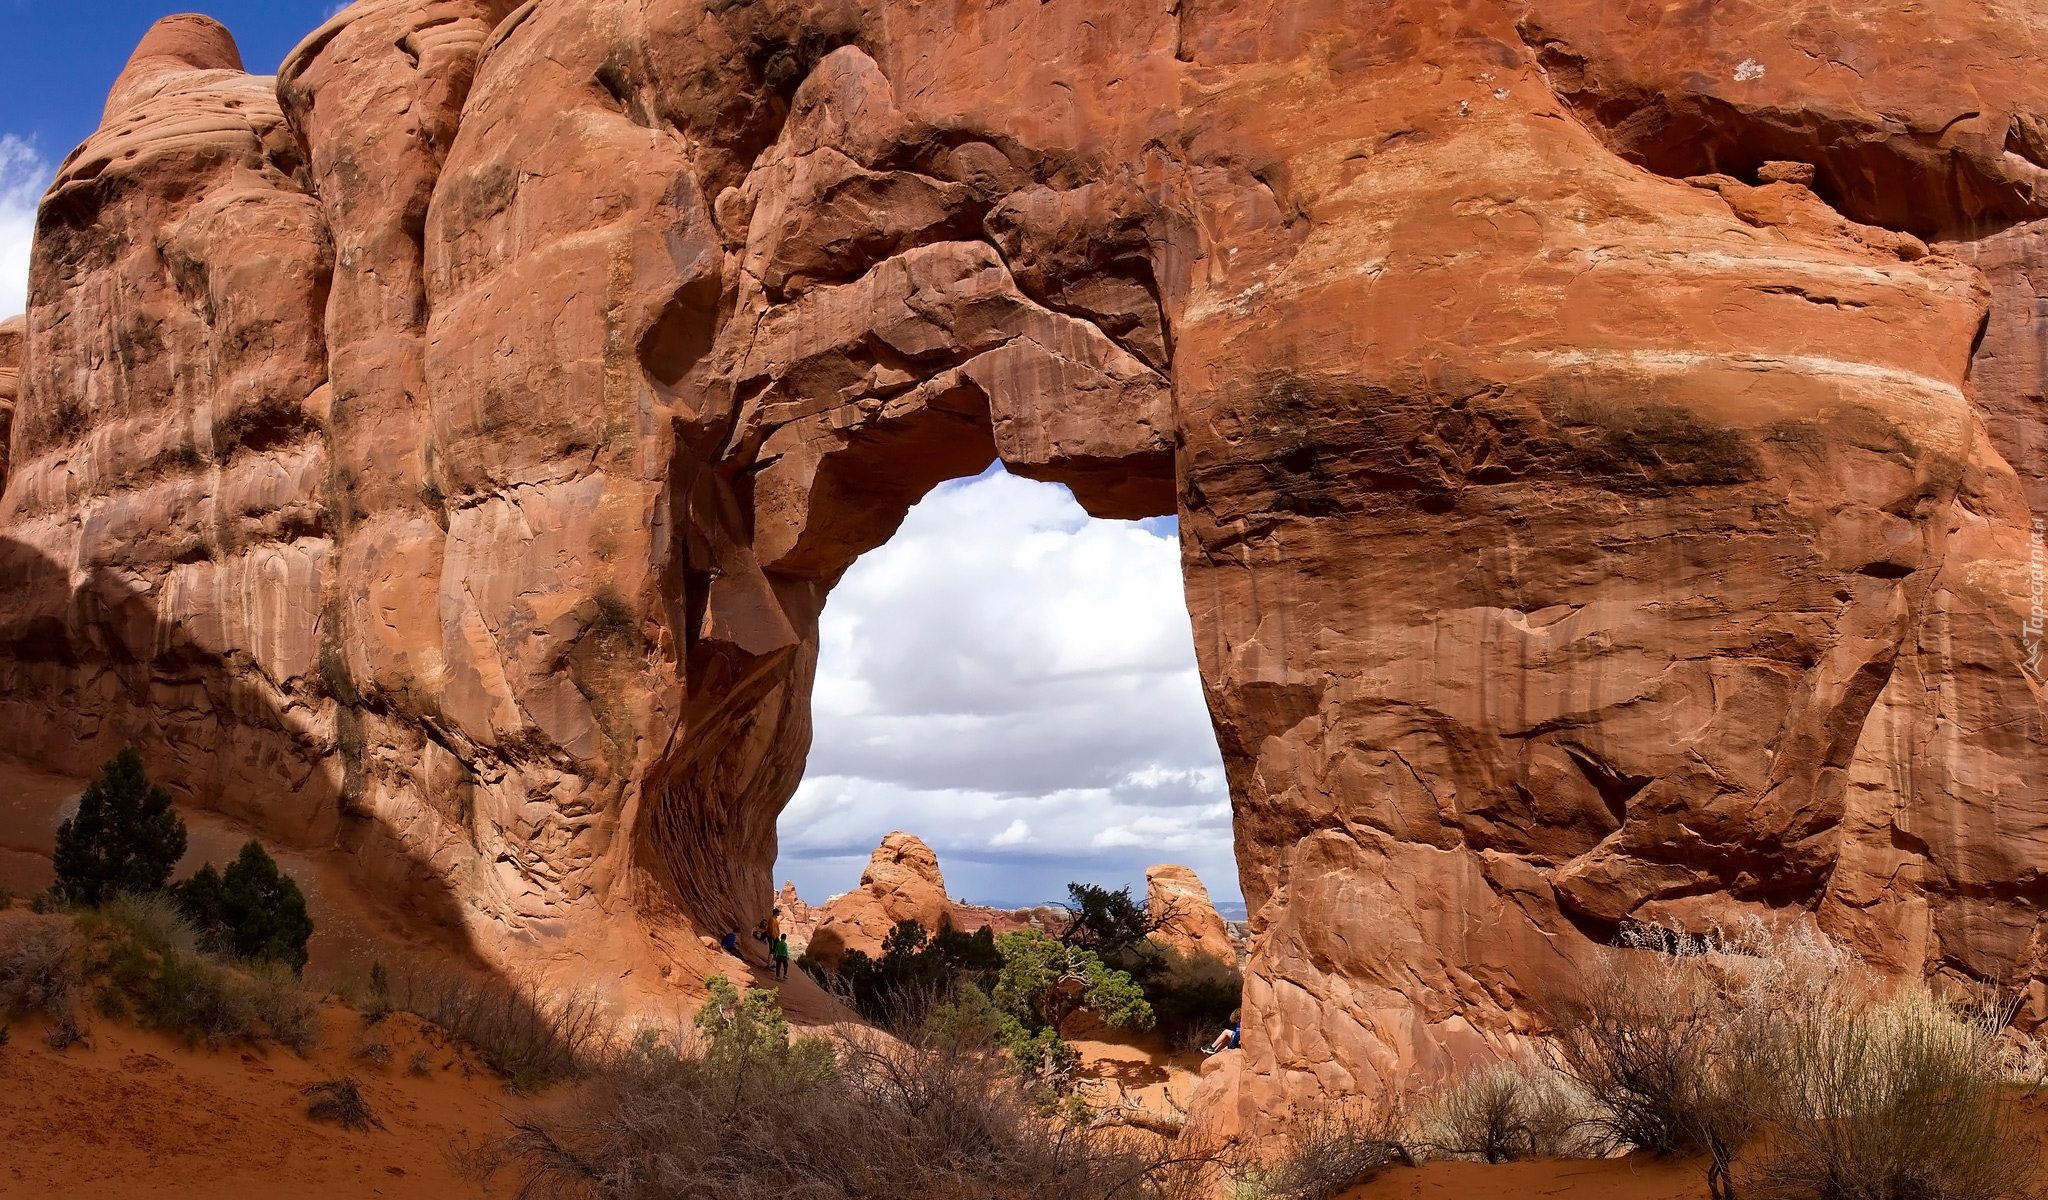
x,y
340,1102
286,1009
2023,1059
1508,1111
40,974
1775,1055
525,1034
1638,1035
1326,1153
737,1110
376,1051
1898,1100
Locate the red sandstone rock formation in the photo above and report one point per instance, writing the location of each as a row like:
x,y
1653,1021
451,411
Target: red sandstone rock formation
x,y
1175,897
902,882
444,455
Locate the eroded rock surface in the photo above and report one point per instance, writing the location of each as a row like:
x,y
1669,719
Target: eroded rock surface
x,y
1188,922
1605,438
13,332
902,882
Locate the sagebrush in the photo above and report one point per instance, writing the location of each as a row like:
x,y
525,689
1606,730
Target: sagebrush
x,y
735,1108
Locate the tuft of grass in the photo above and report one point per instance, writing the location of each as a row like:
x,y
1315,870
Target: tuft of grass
x,y
1508,1111
340,1102
197,999
531,1037
1899,1100
1325,1154
1780,1059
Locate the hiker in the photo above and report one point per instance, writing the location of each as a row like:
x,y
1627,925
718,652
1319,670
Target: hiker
x,y
780,948
769,930
1229,1038
731,943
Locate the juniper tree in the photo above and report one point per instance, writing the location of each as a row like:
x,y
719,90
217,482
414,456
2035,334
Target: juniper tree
x,y
252,909
124,838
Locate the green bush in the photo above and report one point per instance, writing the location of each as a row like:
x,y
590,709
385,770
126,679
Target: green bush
x,y
1192,995
252,910
125,836
915,971
1042,983
149,957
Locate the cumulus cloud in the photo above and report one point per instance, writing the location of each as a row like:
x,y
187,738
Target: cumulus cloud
x,y
23,176
1015,683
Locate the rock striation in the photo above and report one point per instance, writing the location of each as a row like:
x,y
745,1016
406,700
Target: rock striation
x,y
1607,443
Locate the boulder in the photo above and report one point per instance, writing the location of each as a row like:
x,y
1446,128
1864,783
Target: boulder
x,y
1188,922
901,883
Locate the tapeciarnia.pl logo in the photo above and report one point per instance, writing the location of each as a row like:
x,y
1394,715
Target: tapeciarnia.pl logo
x,y
2031,633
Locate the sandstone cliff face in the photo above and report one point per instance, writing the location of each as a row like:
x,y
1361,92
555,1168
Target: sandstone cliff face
x,y
13,332
445,454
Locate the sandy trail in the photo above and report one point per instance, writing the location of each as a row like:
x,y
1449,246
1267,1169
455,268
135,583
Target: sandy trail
x,y
1632,1178
1138,1062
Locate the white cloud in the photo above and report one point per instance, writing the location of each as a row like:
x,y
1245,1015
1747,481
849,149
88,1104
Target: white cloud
x,y
23,176
1015,683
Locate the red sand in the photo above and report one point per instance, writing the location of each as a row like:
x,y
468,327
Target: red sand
x,y
132,1114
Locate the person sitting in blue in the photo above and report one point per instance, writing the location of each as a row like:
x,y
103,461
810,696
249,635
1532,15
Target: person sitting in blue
x,y
731,942
1230,1038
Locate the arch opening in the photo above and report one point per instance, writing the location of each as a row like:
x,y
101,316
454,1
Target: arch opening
x,y
1014,682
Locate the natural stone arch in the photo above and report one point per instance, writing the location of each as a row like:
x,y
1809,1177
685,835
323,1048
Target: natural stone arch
x,y
1518,484
867,384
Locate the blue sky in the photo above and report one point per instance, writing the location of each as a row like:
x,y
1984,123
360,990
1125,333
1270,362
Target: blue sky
x,y
1008,679
59,57
57,60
